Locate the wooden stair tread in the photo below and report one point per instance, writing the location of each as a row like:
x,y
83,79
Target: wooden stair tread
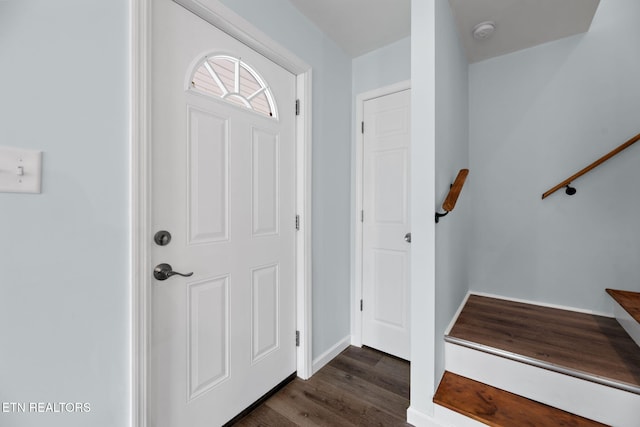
x,y
628,300
500,408
590,346
596,346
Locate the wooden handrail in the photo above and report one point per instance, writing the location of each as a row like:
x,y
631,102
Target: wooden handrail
x,y
593,165
454,192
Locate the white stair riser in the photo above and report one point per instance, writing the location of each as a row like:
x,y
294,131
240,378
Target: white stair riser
x,y
628,323
448,418
585,398
442,417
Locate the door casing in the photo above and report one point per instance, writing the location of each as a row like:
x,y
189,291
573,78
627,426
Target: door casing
x,y
356,291
228,21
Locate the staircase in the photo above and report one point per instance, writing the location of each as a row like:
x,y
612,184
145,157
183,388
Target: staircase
x,y
515,364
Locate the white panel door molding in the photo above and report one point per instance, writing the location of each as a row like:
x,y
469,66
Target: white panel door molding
x,y
208,347
385,224
208,166
224,186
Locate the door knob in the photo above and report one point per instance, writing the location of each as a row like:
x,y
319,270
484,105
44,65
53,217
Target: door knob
x,y
407,237
164,271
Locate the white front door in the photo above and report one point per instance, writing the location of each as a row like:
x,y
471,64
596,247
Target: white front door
x,y
386,226
223,177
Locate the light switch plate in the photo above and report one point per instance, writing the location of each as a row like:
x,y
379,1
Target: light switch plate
x,y
20,170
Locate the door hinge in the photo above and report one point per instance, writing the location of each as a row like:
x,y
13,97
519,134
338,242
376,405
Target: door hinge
x,y
360,305
362,127
298,222
297,338
361,216
297,107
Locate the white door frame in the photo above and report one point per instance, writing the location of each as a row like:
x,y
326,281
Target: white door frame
x,y
356,313
220,16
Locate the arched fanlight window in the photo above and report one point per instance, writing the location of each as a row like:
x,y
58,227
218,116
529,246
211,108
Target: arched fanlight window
x,y
234,81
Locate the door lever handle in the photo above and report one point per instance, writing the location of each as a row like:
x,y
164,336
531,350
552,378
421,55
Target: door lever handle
x,y
164,271
407,237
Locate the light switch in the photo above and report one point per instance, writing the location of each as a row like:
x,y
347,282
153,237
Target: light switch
x,y
20,170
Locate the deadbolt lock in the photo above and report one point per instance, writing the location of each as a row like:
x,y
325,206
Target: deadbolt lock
x,y
162,238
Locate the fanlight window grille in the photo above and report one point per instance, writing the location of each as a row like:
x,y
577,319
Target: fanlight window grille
x,y
234,81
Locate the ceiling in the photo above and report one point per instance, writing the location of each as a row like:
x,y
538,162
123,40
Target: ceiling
x,y
520,24
360,26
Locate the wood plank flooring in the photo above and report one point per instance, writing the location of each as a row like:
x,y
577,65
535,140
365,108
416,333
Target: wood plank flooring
x,y
360,387
500,408
585,343
630,301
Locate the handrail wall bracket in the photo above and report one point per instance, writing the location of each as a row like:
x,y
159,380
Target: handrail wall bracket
x,y
439,215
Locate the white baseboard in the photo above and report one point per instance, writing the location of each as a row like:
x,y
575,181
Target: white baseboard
x,y
328,355
448,418
420,419
542,304
356,340
442,417
455,316
598,402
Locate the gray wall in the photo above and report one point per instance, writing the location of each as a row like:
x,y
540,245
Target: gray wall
x,y
382,67
64,254
536,117
331,159
452,154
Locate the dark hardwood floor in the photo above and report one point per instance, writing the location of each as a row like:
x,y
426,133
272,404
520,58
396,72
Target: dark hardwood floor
x,y
360,387
580,342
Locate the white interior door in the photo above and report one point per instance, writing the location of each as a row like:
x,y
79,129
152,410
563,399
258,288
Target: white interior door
x,y
386,226
223,175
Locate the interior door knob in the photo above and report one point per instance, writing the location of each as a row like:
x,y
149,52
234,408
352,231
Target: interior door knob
x,y
164,271
407,237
